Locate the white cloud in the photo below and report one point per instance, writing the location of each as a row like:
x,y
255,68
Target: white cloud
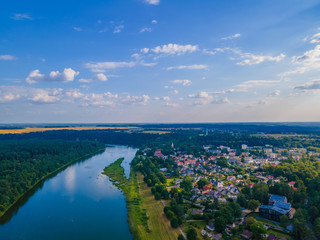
x,y
231,37
118,29
154,21
146,29
204,98
254,83
251,59
182,82
315,38
77,29
67,75
59,95
85,80
7,57
102,66
167,104
190,67
101,77
152,2
273,93
171,49
313,85
310,60
21,16
175,91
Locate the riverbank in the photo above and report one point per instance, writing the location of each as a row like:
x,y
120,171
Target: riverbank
x,y
47,176
145,215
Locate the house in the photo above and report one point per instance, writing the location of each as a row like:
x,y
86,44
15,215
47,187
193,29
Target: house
x,y
291,184
158,153
272,237
278,206
246,234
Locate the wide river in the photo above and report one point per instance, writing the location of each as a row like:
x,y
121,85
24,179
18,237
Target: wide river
x,y
77,203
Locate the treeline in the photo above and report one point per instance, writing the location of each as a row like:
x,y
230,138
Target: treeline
x,y
24,163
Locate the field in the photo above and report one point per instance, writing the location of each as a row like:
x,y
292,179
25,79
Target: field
x,y
145,214
36,129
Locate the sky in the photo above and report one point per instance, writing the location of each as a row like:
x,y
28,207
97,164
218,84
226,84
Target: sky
x,y
140,61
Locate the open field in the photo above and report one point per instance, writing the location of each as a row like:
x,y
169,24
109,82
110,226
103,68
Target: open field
x,y
156,132
35,129
146,217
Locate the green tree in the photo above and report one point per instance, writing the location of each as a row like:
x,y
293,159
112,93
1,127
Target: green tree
x,y
316,228
253,204
186,184
220,224
174,222
191,233
258,229
202,182
157,196
284,221
180,237
241,199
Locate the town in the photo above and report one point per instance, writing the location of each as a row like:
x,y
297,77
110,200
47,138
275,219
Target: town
x,y
241,185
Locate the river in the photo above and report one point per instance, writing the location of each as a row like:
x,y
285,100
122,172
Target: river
x,y
77,203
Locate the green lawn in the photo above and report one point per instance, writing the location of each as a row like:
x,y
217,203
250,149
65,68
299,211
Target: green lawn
x,y
145,214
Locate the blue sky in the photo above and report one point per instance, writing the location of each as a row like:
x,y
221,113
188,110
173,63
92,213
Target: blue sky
x,y
159,61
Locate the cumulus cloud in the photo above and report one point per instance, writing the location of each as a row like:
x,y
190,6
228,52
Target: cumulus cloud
x,y
21,16
146,29
100,77
59,95
310,60
171,49
231,37
182,82
154,21
273,93
190,67
67,75
118,29
204,98
152,2
251,59
7,57
309,86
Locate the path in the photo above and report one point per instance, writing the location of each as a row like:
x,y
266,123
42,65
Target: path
x,y
185,237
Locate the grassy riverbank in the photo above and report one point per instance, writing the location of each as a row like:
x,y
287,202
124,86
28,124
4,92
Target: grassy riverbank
x,y
145,215
46,176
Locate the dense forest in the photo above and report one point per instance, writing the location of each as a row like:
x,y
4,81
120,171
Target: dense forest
x,y
24,163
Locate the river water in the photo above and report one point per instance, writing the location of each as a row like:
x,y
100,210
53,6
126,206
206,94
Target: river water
x,y
77,203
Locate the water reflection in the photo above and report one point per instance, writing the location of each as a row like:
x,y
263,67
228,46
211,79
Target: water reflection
x,y
78,203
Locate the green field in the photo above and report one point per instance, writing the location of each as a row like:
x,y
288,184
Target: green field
x,y
145,215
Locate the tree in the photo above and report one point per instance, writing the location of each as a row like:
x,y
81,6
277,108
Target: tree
x,y
157,196
191,233
220,224
260,192
253,205
165,194
284,221
316,228
250,221
258,229
174,222
241,199
186,184
314,212
169,214
180,237
202,182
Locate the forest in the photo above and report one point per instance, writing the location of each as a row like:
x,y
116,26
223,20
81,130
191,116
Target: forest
x,y
23,163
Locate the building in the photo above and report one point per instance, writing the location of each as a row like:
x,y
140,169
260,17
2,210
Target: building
x,y
278,206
